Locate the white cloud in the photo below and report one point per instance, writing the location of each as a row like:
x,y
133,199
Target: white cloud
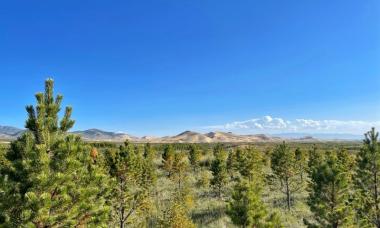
x,y
268,124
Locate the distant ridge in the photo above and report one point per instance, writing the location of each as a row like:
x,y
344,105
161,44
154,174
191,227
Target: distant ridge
x,y
214,137
186,137
11,133
319,136
100,135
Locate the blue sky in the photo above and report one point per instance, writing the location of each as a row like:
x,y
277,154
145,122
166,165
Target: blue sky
x,y
160,67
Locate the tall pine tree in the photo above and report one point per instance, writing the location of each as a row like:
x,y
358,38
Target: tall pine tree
x,y
52,181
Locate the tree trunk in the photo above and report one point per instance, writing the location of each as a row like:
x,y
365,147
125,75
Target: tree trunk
x,y
287,194
220,192
179,182
376,201
122,219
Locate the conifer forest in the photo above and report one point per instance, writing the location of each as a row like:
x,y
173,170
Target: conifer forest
x,y
52,178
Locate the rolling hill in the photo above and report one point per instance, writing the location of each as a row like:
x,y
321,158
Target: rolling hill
x,y
8,133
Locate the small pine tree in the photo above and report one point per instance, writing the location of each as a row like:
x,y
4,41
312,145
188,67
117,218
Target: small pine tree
x,y
283,165
134,181
232,163
177,213
180,168
246,209
315,158
149,152
204,179
168,157
219,151
250,163
301,163
177,217
219,170
329,197
194,156
367,180
150,174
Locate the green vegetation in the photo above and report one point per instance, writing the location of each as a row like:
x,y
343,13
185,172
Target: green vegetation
x,y
284,166
50,178
330,186
367,180
219,170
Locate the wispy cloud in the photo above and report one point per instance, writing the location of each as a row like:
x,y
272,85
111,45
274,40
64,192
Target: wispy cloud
x,y
268,124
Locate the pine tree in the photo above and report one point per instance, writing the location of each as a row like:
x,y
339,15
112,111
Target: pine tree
x,y
219,170
51,178
3,186
329,197
232,163
194,156
246,209
134,181
250,163
149,152
168,157
177,213
367,180
315,158
180,168
150,174
283,165
176,217
219,151
204,179
301,163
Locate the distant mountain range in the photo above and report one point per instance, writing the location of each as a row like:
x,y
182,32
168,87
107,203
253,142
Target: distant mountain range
x,y
11,133
99,135
320,136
